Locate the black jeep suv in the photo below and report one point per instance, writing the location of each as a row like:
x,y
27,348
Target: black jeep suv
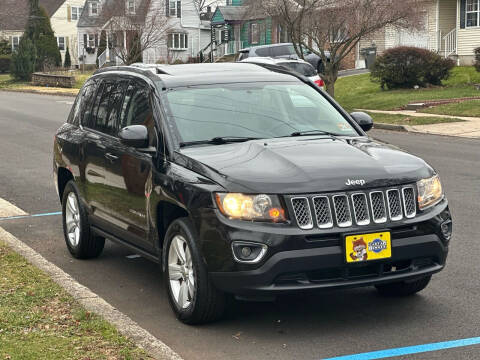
x,y
244,179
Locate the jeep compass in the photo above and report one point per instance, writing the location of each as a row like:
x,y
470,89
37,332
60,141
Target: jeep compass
x,y
247,180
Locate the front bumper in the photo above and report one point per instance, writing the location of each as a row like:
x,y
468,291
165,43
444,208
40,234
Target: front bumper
x,y
418,249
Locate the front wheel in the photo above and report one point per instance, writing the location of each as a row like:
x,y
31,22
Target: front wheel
x,y
192,296
404,288
80,240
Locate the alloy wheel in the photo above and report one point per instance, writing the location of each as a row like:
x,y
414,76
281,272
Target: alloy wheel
x,y
181,273
72,220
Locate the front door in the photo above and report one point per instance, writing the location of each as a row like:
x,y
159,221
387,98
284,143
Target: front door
x,y
128,176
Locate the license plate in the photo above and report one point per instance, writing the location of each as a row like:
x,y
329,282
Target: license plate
x,y
366,247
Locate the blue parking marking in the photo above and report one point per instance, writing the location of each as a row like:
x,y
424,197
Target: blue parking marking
x,y
30,216
409,350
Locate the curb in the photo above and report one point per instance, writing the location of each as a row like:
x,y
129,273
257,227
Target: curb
x,y
92,302
38,92
402,128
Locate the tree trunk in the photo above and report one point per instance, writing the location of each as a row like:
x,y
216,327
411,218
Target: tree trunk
x,y
330,77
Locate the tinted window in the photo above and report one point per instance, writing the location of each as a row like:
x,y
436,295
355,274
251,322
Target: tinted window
x,y
301,68
137,110
83,106
101,110
284,50
263,51
263,110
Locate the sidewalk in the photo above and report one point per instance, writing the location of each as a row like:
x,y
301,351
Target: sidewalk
x,y
469,128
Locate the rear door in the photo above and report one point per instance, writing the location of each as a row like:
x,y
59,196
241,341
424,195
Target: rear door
x,y
129,171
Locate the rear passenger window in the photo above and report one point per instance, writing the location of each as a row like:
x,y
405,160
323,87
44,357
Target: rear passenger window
x,y
280,51
107,107
83,105
263,52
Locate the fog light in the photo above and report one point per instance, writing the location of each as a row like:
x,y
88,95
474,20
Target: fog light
x,y
247,252
446,229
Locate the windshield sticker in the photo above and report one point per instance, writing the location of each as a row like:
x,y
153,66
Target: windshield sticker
x,y
343,127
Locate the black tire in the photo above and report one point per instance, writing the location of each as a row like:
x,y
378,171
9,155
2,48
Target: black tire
x,y
320,67
208,303
404,288
89,245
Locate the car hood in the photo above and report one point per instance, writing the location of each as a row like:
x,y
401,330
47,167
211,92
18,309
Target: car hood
x,y
305,165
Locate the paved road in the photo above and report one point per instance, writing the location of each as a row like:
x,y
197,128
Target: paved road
x,y
301,327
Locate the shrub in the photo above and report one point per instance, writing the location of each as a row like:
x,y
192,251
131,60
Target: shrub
x,y
405,67
5,47
477,59
23,60
5,63
68,60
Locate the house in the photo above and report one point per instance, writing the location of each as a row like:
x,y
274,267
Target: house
x,y
234,27
176,26
450,27
63,17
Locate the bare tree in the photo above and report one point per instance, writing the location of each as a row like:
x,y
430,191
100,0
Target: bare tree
x,y
133,31
332,29
203,4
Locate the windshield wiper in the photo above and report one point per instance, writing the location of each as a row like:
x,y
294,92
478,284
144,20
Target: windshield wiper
x,y
219,140
313,132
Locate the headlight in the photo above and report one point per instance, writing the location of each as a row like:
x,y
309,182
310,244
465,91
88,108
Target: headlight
x,y
430,192
251,207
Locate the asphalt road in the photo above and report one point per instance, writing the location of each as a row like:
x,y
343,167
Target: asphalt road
x,y
311,326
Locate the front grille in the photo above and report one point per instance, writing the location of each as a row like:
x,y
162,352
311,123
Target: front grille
x,y
301,208
360,208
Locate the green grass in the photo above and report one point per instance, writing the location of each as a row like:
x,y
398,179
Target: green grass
x,y
409,120
359,92
6,82
466,108
39,320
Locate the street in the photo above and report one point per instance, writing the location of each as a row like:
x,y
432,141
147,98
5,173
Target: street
x,y
304,326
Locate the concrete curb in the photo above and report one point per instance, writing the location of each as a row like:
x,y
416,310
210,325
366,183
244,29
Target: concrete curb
x,y
92,302
38,92
403,128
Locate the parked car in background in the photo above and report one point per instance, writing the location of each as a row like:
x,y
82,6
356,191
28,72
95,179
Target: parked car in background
x,y
284,50
300,66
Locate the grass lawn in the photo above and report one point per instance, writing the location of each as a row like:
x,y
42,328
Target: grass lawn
x,y
466,108
359,92
39,320
409,120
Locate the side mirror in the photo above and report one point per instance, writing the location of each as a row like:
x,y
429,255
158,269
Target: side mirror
x,y
135,136
363,119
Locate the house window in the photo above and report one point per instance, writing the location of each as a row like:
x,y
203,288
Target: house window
x,y
91,41
93,9
473,13
255,33
177,41
75,13
173,8
15,42
61,43
131,6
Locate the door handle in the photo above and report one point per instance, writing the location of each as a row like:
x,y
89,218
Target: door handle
x,y
111,157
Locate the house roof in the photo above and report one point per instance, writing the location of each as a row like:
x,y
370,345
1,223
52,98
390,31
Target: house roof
x,y
108,10
229,13
14,13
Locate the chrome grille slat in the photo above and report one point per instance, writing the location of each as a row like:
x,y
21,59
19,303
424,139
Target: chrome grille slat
x,y
379,211
409,204
394,205
342,210
302,211
323,212
360,209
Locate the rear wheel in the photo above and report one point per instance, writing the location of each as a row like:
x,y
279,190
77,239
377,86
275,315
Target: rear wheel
x,y
404,288
192,296
80,240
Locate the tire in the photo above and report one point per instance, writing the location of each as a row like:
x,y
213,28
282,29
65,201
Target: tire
x,y
320,67
85,245
202,302
404,288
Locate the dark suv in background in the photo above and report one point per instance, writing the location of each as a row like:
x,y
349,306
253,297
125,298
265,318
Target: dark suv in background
x,y
243,179
283,50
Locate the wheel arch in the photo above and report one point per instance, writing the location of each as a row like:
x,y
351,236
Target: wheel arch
x,y
168,212
64,176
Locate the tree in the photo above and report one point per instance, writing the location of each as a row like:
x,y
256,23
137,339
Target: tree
x,y
332,29
23,60
40,33
102,46
68,60
202,5
145,29
5,47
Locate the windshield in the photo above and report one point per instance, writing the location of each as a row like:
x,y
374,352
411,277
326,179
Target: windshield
x,y
301,68
257,110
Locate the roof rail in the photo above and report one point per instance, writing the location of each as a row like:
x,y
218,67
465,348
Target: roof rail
x,y
283,70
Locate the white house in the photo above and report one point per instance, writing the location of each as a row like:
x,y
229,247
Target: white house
x,y
183,34
451,28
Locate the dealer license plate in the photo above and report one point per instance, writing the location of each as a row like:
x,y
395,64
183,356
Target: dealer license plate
x,y
368,247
